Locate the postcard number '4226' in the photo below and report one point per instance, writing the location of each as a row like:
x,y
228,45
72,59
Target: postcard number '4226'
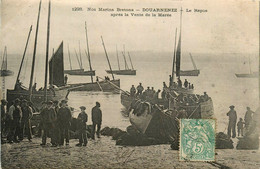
x,y
77,9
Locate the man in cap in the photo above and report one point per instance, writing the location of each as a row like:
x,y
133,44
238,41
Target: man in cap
x,y
96,119
248,117
82,120
232,121
132,90
186,83
3,117
55,129
140,89
15,114
48,116
26,123
63,119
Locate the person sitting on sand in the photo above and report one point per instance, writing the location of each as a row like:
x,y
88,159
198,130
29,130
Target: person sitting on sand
x,y
82,120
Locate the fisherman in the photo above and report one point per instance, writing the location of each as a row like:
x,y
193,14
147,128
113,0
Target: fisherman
x,y
152,91
55,129
164,85
232,121
140,89
192,87
15,114
26,123
205,96
248,117
34,86
65,79
170,80
3,118
132,90
82,120
64,121
156,96
175,85
97,78
189,86
186,83
240,127
96,120
179,83
48,116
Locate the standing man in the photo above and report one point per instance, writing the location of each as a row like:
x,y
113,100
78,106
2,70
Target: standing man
x,y
26,123
248,117
132,90
48,116
179,83
96,120
63,119
65,79
140,89
186,83
15,114
232,121
3,117
82,120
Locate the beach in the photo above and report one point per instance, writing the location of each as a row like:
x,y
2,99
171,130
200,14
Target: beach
x,y
103,153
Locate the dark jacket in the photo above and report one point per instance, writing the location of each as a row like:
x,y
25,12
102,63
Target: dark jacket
x,y
82,119
48,115
232,115
64,116
96,115
27,112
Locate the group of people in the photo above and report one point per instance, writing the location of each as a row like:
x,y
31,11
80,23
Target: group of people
x,y
148,94
186,84
55,122
241,125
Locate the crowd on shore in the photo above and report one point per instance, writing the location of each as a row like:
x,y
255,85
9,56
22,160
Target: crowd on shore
x,y
55,122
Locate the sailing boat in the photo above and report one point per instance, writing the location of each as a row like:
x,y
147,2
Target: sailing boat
x,y
57,90
4,70
194,72
104,85
80,71
248,75
127,70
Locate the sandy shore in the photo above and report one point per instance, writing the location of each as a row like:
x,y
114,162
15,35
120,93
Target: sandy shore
x,y
103,153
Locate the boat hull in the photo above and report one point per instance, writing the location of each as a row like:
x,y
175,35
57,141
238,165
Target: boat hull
x,y
104,85
37,96
189,72
122,72
80,72
6,73
248,75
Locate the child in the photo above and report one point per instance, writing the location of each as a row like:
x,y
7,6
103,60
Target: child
x,y
240,126
82,119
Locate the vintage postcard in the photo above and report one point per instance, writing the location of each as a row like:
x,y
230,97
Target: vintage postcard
x,y
130,84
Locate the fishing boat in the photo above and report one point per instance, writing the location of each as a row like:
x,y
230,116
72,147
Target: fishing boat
x,y
248,75
127,70
160,118
194,72
57,89
4,71
80,71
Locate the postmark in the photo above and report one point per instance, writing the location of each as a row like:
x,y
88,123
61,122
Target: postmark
x,y
197,140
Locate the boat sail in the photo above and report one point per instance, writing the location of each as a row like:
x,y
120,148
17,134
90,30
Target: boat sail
x,y
194,72
31,93
4,71
248,75
127,70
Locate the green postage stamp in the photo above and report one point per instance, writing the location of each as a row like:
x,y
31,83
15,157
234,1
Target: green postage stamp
x,y
197,140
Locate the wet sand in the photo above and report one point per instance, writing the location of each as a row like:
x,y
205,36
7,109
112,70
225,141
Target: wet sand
x,y
103,153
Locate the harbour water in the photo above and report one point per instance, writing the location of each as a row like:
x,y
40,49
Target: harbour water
x,y
217,78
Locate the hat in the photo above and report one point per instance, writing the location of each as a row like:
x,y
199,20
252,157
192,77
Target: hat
x,y
97,103
247,107
49,102
231,106
64,101
82,107
4,101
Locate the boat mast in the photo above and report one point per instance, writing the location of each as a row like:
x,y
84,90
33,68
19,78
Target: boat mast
x,y
80,57
34,52
52,65
174,56
194,65
77,59
5,63
130,61
19,72
117,58
3,67
126,66
107,58
69,57
178,52
89,60
47,52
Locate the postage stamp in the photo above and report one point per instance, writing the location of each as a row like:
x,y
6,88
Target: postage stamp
x,y
197,140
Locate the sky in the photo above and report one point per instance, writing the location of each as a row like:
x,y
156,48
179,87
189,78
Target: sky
x,y
227,26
